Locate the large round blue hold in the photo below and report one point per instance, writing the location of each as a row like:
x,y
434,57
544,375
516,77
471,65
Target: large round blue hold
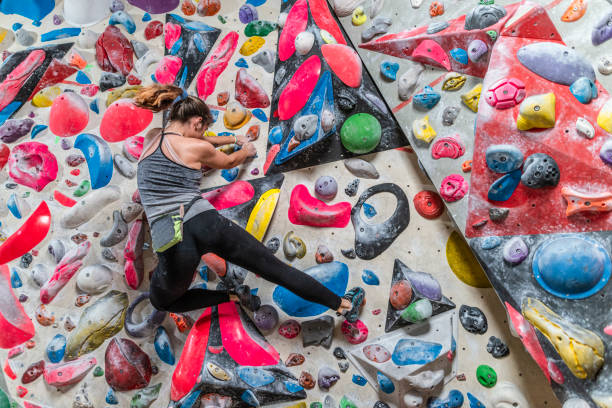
x,y
333,275
572,266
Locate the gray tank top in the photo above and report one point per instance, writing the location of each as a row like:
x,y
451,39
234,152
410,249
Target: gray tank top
x,y
165,185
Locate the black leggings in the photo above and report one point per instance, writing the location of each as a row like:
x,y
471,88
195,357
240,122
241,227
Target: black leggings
x,y
211,232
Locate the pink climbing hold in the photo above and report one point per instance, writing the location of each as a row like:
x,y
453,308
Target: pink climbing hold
x,y
296,22
123,119
453,188
249,92
172,32
230,195
132,147
64,271
450,147
15,326
324,19
30,234
65,374
31,164
215,64
300,87
430,52
555,372
12,84
5,151
506,93
305,209
167,69
355,333
608,330
133,254
344,62
69,115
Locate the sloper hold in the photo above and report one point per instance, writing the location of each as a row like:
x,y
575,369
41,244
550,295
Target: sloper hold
x,y
155,6
64,271
555,62
296,22
344,62
99,158
32,164
89,207
15,325
32,232
249,92
372,240
123,119
582,350
127,366
215,64
114,52
305,209
260,217
537,111
297,92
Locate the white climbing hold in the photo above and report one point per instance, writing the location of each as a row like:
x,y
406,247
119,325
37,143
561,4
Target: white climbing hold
x,y
408,81
304,42
344,8
328,119
361,168
425,381
282,18
576,403
605,65
89,206
375,7
413,401
416,3
151,57
507,395
94,279
39,275
584,128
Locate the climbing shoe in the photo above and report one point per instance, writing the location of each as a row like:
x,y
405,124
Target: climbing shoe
x,y
247,299
357,298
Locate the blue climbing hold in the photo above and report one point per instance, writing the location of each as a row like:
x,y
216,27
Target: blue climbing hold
x,y
453,347
333,275
389,70
584,90
94,106
230,174
460,55
572,266
199,42
191,399
503,158
255,377
490,242
369,210
385,384
33,9
256,3
225,134
203,271
163,346
176,46
259,114
56,348
17,26
454,400
146,17
249,397
99,158
370,278
37,129
15,279
215,114
60,33
413,351
111,398
82,78
14,206
503,187
359,380
242,63
293,387
474,402
123,18
426,99
276,135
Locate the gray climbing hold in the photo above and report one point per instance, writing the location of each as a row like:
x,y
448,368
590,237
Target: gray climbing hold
x,y
339,353
117,233
94,279
605,65
540,170
406,84
148,325
25,38
40,274
109,255
305,127
124,166
140,48
327,377
437,26
87,39
273,244
380,25
56,249
110,80
473,319
318,332
14,129
351,188
361,168
498,214
116,5
266,317
483,16
130,211
449,115
497,348
343,365
349,253
326,188
328,120
266,59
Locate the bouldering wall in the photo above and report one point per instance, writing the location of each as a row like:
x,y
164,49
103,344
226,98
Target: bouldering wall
x,y
507,110
77,327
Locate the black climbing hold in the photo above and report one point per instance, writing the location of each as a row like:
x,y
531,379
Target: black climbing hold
x,y
339,353
318,332
273,244
498,214
351,188
540,170
349,253
473,319
497,347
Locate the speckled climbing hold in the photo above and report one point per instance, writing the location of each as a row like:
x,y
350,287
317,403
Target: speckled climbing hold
x,y
604,66
110,80
426,99
453,81
602,31
453,188
408,81
449,147
473,319
410,351
503,158
463,263
236,116
540,170
428,204
289,329
380,25
360,133
327,377
449,115
459,55
584,90
503,187
388,70
497,348
498,214
417,311
453,400
515,251
127,366
472,97
266,317
422,130
351,188
145,397
582,350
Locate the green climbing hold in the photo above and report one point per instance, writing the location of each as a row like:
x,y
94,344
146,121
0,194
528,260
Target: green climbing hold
x,y
492,34
82,189
316,404
487,2
360,133
222,19
417,311
98,372
4,400
486,376
347,403
144,398
259,28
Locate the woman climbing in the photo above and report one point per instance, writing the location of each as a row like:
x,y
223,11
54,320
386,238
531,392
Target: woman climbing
x,y
184,226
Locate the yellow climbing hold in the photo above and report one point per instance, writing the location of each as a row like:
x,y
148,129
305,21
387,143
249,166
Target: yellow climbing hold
x,y
359,16
300,404
537,111
472,97
453,81
604,119
260,217
327,37
251,45
582,350
422,130
236,116
602,401
122,93
217,372
44,98
463,263
7,38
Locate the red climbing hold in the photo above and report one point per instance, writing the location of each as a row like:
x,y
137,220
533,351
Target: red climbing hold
x,y
133,254
296,22
63,199
132,147
15,325
4,155
344,62
55,73
215,64
124,119
30,234
12,84
127,366
114,52
215,263
230,195
172,34
428,204
430,52
249,92
69,115
300,87
154,29
305,209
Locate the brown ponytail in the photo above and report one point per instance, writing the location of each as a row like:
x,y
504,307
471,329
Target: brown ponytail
x,y
158,98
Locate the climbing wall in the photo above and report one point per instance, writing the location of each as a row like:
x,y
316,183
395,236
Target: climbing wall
x,y
508,111
77,327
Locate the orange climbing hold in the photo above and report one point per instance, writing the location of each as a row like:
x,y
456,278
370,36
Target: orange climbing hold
x,y
188,8
466,166
581,202
575,11
436,9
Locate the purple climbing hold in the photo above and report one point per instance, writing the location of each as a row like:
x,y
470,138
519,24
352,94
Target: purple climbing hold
x,y
266,317
155,6
326,188
14,129
515,251
477,49
425,284
605,153
247,13
602,31
555,62
327,377
116,5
